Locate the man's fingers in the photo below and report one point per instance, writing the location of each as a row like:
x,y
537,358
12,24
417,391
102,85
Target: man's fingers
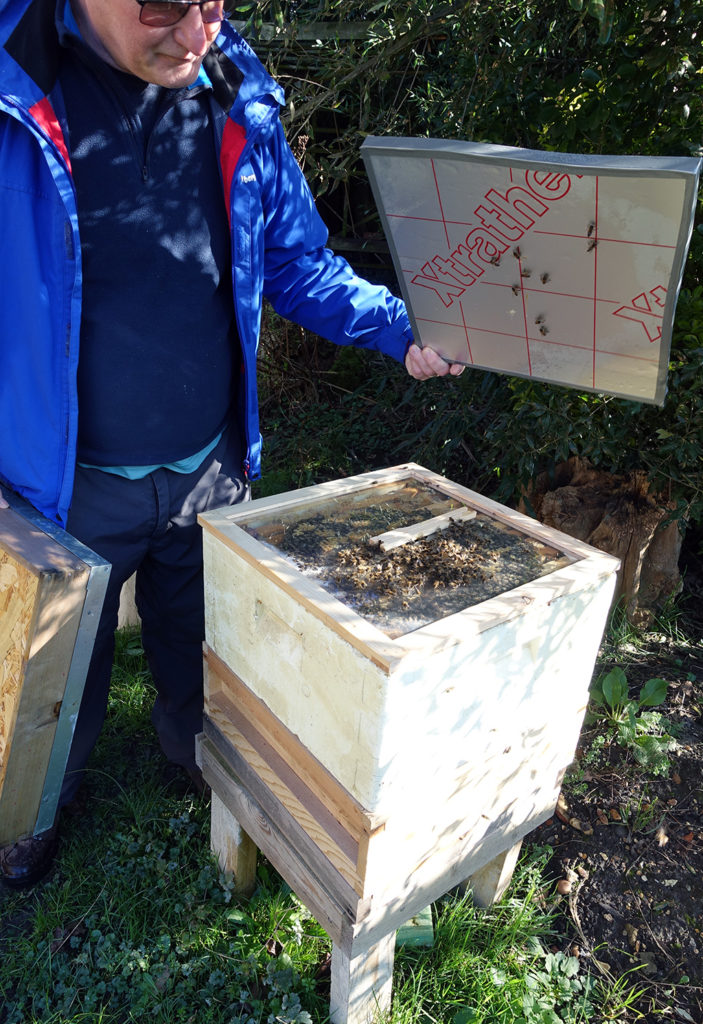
x,y
423,363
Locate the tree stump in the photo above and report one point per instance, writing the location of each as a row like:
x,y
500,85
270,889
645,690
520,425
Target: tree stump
x,y
619,515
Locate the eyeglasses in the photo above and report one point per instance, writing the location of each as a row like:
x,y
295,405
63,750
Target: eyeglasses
x,y
162,13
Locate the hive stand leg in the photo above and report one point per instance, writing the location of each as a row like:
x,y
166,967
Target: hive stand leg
x,y
234,850
488,885
361,984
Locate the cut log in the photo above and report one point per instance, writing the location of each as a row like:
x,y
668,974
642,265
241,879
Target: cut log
x,y
617,514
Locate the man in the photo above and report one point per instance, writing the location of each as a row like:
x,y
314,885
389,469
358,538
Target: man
x,y
148,202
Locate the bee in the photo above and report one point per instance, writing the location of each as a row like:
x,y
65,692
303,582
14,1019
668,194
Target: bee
x,y
526,273
543,330
539,319
516,289
591,245
544,277
591,228
495,261
516,252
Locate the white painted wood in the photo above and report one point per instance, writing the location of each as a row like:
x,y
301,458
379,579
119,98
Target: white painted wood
x,y
235,851
362,984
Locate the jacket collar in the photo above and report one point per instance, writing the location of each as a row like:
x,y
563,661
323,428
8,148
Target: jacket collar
x,y
30,56
29,48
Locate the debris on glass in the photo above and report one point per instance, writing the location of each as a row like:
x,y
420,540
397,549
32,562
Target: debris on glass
x,y
467,560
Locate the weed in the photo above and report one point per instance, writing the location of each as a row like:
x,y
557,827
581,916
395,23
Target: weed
x,y
643,814
643,733
493,965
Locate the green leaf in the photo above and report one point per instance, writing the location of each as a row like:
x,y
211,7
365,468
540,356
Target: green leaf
x,y
238,917
614,688
571,967
653,692
590,76
466,1015
597,693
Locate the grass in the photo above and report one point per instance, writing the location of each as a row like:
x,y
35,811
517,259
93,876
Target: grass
x,y
137,920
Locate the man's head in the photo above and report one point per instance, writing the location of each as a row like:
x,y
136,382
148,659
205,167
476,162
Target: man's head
x,y
156,48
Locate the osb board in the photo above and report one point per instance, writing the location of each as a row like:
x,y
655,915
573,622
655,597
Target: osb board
x,y
18,590
42,591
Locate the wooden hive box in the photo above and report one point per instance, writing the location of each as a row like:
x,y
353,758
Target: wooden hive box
x,y
382,749
51,594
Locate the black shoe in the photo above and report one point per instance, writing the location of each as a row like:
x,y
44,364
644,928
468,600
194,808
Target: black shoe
x,y
27,861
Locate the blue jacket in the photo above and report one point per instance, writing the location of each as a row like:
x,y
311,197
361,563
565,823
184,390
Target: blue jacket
x,y
278,246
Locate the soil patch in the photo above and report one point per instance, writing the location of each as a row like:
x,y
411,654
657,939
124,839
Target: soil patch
x,y
628,845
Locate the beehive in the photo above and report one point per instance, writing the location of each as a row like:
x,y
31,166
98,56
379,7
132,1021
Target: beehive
x,y
51,593
383,743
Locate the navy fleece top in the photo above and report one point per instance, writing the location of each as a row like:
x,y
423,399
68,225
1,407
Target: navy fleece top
x,y
158,342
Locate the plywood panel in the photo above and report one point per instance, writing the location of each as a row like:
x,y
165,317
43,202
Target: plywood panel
x,y
317,683
18,589
222,683
43,589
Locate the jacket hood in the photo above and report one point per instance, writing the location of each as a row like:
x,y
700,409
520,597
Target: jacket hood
x,y
241,84
29,48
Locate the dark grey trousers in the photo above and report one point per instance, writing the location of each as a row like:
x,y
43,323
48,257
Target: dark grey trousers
x,y
149,527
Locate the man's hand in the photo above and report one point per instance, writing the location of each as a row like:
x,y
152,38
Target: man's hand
x,y
423,363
